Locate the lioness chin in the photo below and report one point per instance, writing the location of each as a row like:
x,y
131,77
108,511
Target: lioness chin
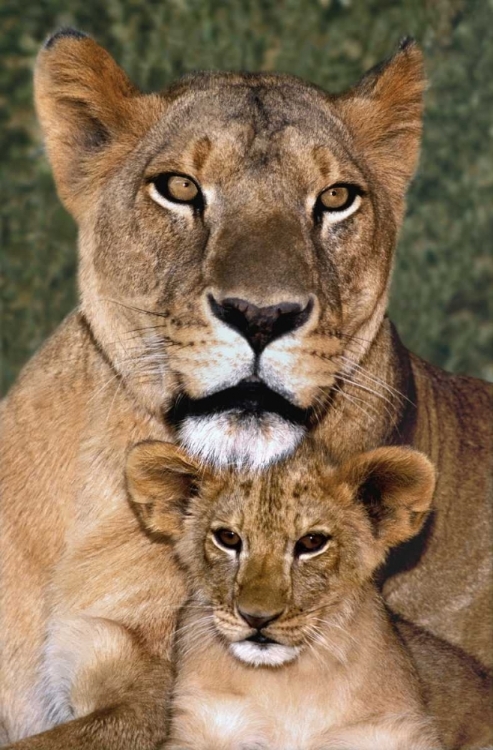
x,y
236,243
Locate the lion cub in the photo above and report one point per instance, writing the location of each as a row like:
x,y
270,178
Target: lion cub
x,y
285,643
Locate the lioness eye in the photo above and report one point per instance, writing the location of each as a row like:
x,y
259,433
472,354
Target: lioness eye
x,y
228,539
177,188
338,201
310,543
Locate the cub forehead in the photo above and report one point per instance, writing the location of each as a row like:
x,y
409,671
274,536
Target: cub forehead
x,y
284,499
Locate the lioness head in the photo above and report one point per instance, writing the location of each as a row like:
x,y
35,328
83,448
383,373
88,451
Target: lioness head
x,y
236,234
272,557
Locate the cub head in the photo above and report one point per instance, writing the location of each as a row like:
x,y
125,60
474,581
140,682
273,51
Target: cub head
x,y
236,234
280,561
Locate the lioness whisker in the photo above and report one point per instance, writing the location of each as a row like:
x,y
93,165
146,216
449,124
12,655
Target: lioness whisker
x,y
147,328
103,387
357,384
144,356
353,337
319,406
113,400
373,408
133,307
354,401
146,342
376,379
147,345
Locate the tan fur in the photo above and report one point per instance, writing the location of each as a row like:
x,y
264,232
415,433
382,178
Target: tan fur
x,y
350,684
74,558
457,690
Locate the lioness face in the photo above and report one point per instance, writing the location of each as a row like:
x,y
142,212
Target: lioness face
x,y
279,562
237,234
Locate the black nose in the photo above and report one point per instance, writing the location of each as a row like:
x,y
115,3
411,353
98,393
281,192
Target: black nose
x,y
259,620
260,325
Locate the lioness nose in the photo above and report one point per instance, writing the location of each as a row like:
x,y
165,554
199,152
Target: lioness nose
x,y
260,325
258,619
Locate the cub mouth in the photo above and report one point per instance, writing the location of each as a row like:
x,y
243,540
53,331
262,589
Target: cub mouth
x,y
249,398
261,651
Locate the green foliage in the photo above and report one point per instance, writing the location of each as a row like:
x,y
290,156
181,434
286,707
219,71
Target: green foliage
x,y
444,266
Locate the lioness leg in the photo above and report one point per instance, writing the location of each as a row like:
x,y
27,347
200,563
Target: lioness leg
x,y
105,673
112,688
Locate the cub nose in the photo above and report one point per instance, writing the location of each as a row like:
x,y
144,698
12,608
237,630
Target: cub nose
x,y
258,619
260,325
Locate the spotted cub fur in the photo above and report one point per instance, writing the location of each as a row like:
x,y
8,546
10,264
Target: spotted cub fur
x,y
285,642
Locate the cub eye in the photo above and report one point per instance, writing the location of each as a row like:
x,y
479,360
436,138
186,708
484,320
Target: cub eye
x,y
177,188
310,543
338,201
227,539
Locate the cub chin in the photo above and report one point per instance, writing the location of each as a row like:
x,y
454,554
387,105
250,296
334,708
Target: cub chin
x,y
285,643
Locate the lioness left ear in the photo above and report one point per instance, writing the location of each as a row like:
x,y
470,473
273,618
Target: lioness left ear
x,y
396,487
160,480
384,115
90,113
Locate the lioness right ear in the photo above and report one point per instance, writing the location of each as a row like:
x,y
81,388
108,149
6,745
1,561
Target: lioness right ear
x,y
160,480
384,114
85,103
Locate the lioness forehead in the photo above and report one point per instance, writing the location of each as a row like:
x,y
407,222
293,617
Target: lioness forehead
x,y
273,100
257,118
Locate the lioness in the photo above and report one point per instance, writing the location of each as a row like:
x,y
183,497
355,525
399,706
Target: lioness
x,y
284,644
236,242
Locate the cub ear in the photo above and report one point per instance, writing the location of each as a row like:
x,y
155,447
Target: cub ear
x,y
396,487
84,103
384,113
160,480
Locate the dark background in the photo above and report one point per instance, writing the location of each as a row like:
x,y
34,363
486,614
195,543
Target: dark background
x,y
441,297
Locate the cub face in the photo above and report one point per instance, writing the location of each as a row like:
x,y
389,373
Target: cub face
x,y
272,557
236,234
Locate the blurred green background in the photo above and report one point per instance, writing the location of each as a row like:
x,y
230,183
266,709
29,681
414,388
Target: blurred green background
x,y
441,297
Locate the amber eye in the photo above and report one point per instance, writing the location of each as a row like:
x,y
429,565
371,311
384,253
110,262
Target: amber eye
x,y
335,197
177,188
339,200
228,539
310,543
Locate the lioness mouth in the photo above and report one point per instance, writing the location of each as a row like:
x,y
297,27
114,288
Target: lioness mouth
x,y
250,398
260,639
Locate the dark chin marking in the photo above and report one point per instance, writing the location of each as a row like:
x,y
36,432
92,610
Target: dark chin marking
x,y
245,400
